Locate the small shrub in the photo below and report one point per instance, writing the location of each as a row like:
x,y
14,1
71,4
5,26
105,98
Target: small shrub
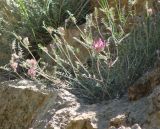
x,y
110,62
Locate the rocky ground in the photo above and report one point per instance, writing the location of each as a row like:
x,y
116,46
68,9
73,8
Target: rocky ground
x,y
27,104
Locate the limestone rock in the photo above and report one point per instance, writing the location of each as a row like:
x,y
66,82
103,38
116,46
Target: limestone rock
x,y
20,101
144,85
26,104
153,120
80,124
118,121
57,115
135,126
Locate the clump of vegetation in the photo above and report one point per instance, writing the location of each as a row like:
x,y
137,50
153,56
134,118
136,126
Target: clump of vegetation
x,y
113,60
26,18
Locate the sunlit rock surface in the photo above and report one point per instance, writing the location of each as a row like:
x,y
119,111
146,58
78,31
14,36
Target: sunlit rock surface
x,y
20,102
26,104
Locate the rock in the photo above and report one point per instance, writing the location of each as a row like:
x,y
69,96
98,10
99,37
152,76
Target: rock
x,y
155,99
144,85
124,127
112,127
135,126
27,104
81,123
118,121
57,112
153,118
20,101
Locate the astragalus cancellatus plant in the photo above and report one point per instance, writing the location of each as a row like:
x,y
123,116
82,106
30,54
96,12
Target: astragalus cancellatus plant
x,y
95,56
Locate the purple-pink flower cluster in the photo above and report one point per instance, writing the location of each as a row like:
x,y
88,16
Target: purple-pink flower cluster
x,y
14,62
99,45
32,67
14,66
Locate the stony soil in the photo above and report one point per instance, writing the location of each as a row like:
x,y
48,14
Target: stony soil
x,y
27,104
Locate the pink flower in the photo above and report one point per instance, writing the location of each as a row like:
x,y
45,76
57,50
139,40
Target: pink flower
x,y
14,66
32,72
32,67
32,62
99,45
150,11
50,29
